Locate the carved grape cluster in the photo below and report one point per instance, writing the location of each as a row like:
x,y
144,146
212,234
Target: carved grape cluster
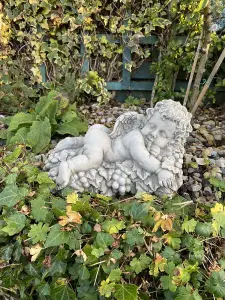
x,y
120,182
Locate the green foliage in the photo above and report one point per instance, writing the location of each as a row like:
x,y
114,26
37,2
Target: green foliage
x,y
94,85
47,35
132,101
104,248
216,284
52,114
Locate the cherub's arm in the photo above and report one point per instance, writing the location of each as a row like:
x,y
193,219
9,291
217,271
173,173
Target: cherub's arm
x,y
134,142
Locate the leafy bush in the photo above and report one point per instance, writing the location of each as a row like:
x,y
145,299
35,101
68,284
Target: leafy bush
x,y
95,86
52,114
37,34
96,247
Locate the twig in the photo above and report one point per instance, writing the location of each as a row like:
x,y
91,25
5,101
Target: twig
x,y
98,263
156,80
184,203
96,276
208,82
204,57
193,70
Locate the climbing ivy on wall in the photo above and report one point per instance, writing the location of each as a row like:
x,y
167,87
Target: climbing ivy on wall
x,y
49,33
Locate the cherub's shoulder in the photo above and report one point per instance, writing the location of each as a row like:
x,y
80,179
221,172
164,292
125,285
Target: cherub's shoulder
x,y
134,135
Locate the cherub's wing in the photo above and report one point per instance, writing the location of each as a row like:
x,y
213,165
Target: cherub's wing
x,y
127,122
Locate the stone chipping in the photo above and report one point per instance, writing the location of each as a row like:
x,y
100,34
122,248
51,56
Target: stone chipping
x,y
205,147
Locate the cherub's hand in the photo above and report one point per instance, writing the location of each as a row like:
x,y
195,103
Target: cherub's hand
x,y
166,178
155,150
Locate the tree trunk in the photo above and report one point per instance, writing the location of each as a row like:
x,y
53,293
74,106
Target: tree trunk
x,y
204,56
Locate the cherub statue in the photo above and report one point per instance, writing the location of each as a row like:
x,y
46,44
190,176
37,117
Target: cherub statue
x,y
141,153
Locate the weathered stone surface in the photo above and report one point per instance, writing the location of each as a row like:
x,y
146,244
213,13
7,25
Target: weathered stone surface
x,y
196,126
220,162
141,153
195,187
207,191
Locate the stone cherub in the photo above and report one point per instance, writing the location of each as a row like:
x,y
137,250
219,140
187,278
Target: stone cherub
x,y
141,153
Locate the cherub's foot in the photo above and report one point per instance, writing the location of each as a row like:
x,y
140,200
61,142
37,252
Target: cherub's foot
x,y
61,183
69,143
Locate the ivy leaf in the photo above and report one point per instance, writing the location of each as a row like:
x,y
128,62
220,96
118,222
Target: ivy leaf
x,y
116,254
6,252
35,251
32,270
171,255
172,239
58,267
106,288
187,293
113,226
115,275
83,273
31,172
74,240
11,179
126,292
72,198
189,225
222,263
139,211
202,5
97,252
217,183
38,209
87,292
43,178
56,237
169,268
103,240
216,284
140,264
11,195
71,217
58,206
158,265
39,136
38,232
15,223
135,236
44,289
204,229
167,283
63,292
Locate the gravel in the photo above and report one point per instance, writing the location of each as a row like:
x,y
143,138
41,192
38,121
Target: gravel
x,y
205,147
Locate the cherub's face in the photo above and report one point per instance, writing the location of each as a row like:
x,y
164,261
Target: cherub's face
x,y
158,131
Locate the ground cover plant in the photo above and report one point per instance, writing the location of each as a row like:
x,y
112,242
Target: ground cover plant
x,y
88,246
63,246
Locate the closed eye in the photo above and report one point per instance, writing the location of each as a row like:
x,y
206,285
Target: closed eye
x,y
162,133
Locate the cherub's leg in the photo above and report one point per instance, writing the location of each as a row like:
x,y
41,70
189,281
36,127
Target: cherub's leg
x,y
92,159
70,143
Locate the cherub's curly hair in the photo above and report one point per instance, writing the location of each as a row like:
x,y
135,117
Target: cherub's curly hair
x,y
174,111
